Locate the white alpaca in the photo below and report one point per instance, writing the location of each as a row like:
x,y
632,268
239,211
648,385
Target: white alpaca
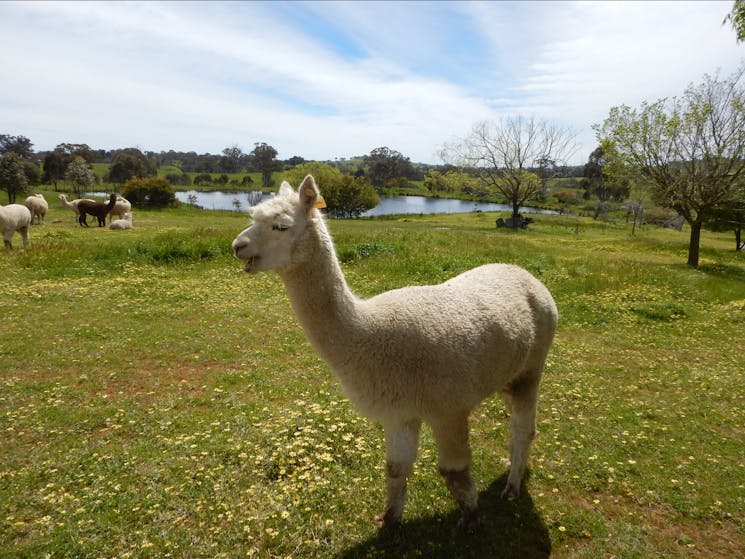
x,y
74,204
121,207
38,207
125,223
14,217
428,353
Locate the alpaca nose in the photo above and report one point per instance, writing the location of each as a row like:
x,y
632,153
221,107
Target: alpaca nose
x,y
238,245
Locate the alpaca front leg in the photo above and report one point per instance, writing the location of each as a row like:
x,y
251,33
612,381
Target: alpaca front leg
x,y
451,435
401,441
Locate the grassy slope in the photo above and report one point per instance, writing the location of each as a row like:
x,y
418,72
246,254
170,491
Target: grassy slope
x,y
155,401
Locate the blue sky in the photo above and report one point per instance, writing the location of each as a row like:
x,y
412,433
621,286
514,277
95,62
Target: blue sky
x,y
328,80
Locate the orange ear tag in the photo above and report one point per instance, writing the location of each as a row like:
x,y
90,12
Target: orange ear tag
x,y
320,203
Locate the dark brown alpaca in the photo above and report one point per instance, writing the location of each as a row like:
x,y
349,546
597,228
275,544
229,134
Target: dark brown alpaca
x,y
99,210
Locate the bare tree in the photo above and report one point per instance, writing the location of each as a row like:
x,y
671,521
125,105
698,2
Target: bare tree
x,y
503,152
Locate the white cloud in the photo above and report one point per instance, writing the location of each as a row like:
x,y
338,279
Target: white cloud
x,y
326,80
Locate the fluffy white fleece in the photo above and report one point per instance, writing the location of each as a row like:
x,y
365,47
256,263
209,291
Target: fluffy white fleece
x,y
38,207
124,223
419,353
14,217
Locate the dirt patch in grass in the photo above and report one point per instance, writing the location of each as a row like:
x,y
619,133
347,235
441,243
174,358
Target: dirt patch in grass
x,y
149,382
662,528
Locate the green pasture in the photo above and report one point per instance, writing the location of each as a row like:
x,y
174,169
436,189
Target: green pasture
x,y
155,401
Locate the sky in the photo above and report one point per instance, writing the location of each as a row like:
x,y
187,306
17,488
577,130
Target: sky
x,y
333,80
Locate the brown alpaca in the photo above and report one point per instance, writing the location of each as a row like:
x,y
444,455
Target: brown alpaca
x,y
99,210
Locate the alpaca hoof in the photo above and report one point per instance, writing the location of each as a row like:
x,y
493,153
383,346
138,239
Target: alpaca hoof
x,y
386,520
469,522
511,492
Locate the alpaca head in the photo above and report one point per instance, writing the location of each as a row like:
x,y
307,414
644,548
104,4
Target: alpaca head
x,y
274,240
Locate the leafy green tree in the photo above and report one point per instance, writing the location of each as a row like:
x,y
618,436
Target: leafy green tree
x,y
12,177
691,149
736,19
452,182
264,159
503,152
20,145
80,174
179,178
32,172
345,195
730,217
203,178
295,160
233,159
600,183
56,161
149,192
130,163
54,166
81,150
385,164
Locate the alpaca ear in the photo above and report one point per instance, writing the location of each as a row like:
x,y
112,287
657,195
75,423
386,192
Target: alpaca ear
x,y
285,189
309,194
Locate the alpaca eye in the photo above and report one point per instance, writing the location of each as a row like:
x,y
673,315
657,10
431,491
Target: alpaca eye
x,y
280,227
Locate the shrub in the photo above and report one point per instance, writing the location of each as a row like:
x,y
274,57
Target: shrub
x,y
203,178
154,192
345,195
179,178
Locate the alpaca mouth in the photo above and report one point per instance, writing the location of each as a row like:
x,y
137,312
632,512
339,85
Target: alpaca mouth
x,y
250,263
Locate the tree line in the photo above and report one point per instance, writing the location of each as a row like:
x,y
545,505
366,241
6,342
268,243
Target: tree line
x,y
686,154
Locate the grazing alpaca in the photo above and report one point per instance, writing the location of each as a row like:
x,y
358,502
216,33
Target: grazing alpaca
x,y
72,205
14,217
125,223
99,210
427,353
121,207
38,207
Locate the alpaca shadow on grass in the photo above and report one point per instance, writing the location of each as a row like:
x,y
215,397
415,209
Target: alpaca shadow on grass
x,y
508,529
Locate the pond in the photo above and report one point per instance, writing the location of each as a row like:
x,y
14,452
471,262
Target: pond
x,y
240,201
222,200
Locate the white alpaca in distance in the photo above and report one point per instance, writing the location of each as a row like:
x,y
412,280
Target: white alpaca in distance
x,y
425,353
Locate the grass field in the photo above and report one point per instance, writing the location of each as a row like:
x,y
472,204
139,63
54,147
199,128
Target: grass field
x,y
155,401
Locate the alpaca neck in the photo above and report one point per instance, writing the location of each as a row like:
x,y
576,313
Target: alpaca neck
x,y
326,308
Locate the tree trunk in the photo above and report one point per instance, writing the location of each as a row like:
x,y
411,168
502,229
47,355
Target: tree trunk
x,y
738,242
695,243
515,215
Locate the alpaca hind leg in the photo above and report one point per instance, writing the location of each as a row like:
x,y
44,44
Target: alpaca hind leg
x,y
24,236
451,435
402,440
523,400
